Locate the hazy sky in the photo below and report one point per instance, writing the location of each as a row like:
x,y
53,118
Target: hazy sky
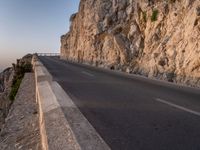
x,y
28,26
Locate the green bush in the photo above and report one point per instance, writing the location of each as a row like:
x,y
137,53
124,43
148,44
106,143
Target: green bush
x,y
15,87
27,67
20,70
144,16
154,16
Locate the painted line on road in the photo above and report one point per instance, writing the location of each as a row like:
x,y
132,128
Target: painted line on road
x,y
87,73
178,107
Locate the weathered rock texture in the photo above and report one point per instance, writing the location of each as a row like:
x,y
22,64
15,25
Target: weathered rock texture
x,y
155,38
6,78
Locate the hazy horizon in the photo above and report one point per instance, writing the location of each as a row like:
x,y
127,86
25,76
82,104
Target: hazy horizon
x,y
32,26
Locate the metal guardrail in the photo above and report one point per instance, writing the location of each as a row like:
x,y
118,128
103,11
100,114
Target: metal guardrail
x,y
48,54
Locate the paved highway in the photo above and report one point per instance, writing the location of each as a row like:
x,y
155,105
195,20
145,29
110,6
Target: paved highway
x,y
131,112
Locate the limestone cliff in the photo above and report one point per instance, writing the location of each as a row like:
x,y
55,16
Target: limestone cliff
x,y
155,38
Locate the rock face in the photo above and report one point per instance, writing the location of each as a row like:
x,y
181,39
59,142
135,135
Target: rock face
x,y
6,78
157,39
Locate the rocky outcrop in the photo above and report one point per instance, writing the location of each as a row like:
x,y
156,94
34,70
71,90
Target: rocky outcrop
x,y
6,78
157,39
10,80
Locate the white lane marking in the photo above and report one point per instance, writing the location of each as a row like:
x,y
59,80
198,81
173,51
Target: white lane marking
x,y
87,73
179,107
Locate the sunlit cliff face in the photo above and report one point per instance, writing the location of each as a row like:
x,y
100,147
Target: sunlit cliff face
x,y
157,39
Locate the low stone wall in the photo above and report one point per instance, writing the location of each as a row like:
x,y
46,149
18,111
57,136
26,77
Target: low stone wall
x,y
57,130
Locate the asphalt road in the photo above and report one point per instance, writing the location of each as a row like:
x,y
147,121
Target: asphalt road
x,y
131,112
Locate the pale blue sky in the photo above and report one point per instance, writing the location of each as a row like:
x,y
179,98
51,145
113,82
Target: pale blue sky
x,y
28,26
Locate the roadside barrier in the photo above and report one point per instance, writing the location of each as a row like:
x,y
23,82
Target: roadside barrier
x,y
62,125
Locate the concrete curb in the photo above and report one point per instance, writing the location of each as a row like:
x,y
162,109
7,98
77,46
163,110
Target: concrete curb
x,y
62,125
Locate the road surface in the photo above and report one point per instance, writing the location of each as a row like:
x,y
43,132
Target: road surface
x,y
131,112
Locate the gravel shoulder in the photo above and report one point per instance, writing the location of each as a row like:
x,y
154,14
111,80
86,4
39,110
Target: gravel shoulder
x,y
21,129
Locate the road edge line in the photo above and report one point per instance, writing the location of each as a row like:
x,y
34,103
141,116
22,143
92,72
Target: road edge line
x,y
178,107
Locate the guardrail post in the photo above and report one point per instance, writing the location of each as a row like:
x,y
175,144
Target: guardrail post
x,y
49,54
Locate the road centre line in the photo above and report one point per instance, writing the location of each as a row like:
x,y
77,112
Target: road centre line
x,y
87,73
178,107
